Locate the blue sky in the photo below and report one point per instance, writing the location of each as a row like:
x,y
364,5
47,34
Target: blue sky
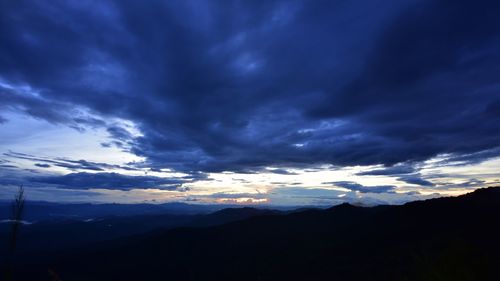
x,y
261,102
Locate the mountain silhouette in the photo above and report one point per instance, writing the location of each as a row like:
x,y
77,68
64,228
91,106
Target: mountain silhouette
x,y
61,235
454,238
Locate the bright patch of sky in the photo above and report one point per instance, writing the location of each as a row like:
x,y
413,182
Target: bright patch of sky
x,y
27,135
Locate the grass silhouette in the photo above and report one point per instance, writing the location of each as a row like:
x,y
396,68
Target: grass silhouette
x,y
17,213
16,222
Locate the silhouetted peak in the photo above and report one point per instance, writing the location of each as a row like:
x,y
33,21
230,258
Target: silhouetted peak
x,y
343,206
230,215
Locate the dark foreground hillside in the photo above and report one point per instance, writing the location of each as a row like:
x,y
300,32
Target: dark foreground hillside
x,y
440,239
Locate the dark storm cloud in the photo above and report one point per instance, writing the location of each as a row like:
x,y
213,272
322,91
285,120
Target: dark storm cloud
x,y
406,172
471,158
415,179
19,100
281,172
109,181
119,133
95,180
238,86
353,186
394,170
429,86
473,183
67,163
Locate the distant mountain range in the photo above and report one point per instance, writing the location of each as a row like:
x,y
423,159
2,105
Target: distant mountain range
x,y
36,211
439,239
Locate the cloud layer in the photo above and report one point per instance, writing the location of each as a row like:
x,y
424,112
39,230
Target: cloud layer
x,y
110,181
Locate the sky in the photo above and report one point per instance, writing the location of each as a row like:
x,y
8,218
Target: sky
x,y
249,102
